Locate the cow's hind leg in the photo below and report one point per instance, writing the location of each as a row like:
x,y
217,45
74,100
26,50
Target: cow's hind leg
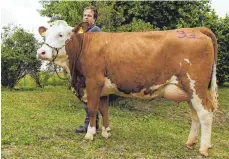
x,y
103,108
206,117
202,104
194,131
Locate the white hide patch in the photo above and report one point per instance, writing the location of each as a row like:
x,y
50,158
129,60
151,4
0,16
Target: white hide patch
x,y
173,80
159,90
196,101
187,60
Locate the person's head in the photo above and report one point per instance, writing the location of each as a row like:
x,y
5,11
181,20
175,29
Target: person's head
x,y
90,15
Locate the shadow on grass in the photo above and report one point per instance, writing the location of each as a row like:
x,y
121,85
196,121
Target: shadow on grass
x,y
20,89
25,89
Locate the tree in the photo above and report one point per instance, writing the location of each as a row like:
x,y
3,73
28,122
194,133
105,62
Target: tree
x,y
164,15
71,11
117,16
18,55
223,55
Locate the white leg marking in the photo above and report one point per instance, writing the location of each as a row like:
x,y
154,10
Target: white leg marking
x,y
206,127
194,131
105,132
90,132
205,118
195,128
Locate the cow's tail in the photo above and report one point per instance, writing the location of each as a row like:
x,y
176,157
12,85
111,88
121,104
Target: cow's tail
x,y
211,35
214,87
213,82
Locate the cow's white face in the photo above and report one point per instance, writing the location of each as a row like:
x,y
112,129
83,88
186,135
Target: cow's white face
x,y
55,37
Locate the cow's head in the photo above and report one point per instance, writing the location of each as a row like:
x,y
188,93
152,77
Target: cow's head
x,y
54,44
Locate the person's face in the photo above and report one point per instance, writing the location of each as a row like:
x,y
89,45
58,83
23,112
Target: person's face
x,y
88,16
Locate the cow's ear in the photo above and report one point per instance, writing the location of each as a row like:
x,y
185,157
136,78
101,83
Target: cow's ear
x,y
42,31
81,28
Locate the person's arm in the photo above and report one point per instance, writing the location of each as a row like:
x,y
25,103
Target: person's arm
x,y
95,29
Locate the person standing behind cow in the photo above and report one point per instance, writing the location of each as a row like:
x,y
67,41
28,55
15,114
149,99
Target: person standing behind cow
x,y
90,15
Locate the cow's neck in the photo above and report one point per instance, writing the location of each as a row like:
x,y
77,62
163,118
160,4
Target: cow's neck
x,y
74,49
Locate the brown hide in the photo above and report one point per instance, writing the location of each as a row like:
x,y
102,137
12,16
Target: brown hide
x,y
134,61
138,60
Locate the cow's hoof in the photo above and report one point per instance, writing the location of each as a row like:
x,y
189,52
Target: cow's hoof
x,y
88,136
190,146
108,129
210,146
204,152
106,135
105,132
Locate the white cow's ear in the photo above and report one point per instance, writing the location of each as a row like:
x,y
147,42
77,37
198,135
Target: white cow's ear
x,y
42,31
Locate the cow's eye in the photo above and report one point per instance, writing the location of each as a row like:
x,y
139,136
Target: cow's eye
x,y
60,35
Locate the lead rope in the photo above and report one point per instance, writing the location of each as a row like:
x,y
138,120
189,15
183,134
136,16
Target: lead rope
x,y
55,67
54,58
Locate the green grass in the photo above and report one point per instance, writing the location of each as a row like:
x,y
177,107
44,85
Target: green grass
x,y
40,123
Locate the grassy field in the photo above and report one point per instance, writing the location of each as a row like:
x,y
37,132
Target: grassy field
x,y
40,123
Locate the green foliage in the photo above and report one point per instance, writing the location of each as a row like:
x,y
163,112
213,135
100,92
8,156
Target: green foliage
x,y
136,26
109,17
70,11
223,56
164,15
127,16
18,55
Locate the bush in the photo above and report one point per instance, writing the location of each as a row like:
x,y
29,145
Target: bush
x,y
47,80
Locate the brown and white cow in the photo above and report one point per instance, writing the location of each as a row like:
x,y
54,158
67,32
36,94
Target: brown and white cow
x,y
179,65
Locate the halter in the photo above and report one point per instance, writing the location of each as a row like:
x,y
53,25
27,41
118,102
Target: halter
x,y
54,48
54,57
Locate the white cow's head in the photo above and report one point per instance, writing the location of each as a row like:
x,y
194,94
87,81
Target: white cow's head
x,y
55,38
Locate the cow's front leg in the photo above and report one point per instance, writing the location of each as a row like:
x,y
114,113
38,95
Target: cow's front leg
x,y
93,91
103,109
